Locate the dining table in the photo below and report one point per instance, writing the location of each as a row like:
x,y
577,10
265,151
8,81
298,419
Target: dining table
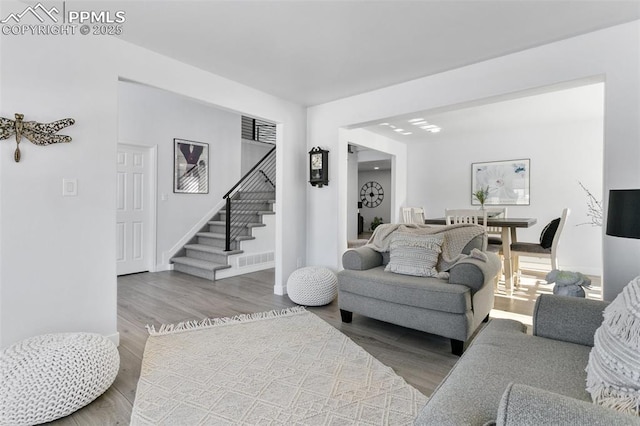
x,y
508,235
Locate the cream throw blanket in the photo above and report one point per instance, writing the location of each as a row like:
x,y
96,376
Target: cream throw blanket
x,y
456,237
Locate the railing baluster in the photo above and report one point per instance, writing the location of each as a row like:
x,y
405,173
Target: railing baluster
x,y
256,179
227,242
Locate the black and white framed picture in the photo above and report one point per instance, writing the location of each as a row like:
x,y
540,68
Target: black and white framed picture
x,y
191,167
507,182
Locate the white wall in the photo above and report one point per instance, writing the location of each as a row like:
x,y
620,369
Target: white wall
x,y
383,177
256,254
140,65
353,196
57,271
613,54
252,152
152,117
560,154
327,239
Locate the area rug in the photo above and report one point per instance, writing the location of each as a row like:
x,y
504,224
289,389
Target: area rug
x,y
278,367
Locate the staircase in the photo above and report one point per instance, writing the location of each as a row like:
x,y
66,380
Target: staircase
x,y
252,198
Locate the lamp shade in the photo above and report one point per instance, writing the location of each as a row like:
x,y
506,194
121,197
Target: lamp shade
x,y
623,215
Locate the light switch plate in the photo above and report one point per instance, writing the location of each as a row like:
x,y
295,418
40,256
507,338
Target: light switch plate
x,y
69,187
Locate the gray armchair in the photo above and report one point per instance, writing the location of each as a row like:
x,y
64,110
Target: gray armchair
x,y
453,307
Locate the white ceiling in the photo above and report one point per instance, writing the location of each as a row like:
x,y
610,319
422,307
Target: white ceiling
x,y
372,166
311,52
556,106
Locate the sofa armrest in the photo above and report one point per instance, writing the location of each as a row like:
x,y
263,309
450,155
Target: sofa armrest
x,y
361,258
526,405
475,273
570,319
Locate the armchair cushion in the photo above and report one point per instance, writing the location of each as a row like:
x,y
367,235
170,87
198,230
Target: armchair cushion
x,y
421,292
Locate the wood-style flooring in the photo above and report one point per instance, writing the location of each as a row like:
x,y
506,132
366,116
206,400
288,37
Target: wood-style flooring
x,y
422,359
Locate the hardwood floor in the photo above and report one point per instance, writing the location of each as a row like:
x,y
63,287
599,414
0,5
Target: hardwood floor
x,y
422,359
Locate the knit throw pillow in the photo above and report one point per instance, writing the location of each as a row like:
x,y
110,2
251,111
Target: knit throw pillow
x,y
414,254
613,370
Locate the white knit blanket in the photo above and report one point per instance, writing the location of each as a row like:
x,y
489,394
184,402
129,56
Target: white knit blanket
x,y
456,237
613,371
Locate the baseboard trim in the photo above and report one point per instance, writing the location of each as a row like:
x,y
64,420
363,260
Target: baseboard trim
x,y
163,267
234,271
280,290
115,338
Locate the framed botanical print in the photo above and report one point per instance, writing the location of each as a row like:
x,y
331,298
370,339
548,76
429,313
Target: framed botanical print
x,y
190,167
507,182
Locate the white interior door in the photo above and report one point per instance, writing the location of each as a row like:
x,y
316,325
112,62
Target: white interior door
x,y
133,210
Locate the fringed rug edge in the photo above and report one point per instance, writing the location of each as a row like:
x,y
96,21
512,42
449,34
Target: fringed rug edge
x,y
216,322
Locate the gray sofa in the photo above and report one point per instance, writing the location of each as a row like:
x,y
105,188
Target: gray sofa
x,y
513,378
452,308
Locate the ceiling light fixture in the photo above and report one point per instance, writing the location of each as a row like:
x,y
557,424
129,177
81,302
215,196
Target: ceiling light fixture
x,y
376,168
384,124
399,130
415,120
407,133
420,123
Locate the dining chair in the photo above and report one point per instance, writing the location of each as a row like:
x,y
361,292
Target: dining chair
x,y
472,216
494,233
413,215
546,248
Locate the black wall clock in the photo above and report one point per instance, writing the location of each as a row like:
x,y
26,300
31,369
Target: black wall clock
x,y
371,194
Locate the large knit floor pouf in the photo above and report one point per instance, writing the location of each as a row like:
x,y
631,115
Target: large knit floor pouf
x,y
312,286
51,376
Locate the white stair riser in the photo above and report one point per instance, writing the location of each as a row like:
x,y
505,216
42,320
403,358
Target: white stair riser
x,y
210,257
259,195
254,217
221,229
216,242
192,270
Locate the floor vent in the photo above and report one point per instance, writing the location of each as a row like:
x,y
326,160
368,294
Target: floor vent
x,y
255,259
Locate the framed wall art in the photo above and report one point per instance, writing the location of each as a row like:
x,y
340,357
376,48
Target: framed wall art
x,y
190,167
507,182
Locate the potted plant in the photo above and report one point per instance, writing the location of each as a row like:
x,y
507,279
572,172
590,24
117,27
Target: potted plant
x,y
481,195
377,221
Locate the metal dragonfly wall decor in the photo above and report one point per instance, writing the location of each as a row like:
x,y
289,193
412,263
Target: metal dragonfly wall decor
x,y
37,133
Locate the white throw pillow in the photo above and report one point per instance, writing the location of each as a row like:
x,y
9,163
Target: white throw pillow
x,y
414,254
613,371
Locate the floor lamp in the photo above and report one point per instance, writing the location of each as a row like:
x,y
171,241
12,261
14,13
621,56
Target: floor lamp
x,y
623,216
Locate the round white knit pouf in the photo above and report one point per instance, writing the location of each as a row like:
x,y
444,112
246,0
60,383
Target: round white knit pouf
x,y
312,286
51,376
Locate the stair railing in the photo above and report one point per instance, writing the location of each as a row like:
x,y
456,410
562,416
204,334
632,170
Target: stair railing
x,y
261,177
